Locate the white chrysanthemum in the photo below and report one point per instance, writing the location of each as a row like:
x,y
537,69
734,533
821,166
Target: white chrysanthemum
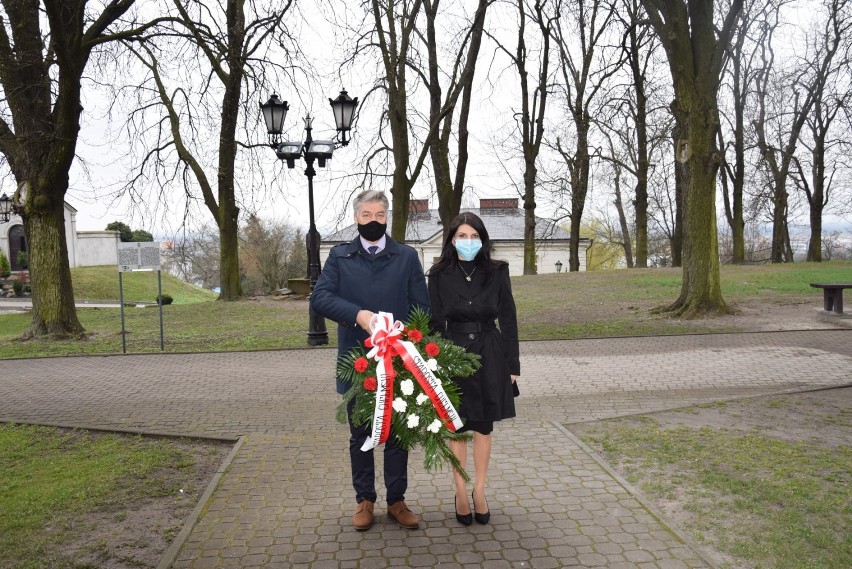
x,y
422,398
432,364
434,426
413,421
407,387
399,405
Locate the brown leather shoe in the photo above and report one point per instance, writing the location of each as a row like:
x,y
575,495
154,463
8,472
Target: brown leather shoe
x,y
363,517
403,516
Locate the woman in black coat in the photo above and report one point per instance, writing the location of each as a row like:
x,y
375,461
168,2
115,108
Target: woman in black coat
x,y
468,292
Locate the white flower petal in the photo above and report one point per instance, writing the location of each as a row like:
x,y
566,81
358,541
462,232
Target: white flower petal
x,y
422,398
434,426
399,405
407,387
432,364
413,421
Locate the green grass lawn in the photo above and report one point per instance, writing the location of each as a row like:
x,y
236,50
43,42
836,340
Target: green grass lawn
x,y
766,501
554,306
51,478
101,283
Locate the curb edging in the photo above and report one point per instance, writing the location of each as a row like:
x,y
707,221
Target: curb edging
x,y
172,552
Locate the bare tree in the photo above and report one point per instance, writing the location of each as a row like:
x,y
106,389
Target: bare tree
x,y
193,256
533,102
230,45
639,46
268,250
42,65
450,188
635,128
750,32
779,126
831,94
395,22
585,69
406,33
696,47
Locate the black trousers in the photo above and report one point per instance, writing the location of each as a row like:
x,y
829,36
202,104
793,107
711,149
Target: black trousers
x,y
364,466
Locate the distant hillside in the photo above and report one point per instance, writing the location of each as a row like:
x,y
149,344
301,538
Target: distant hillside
x,y
101,283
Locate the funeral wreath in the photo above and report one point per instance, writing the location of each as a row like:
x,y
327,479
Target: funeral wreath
x,y
403,387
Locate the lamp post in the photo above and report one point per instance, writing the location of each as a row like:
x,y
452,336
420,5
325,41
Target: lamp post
x,y
274,112
558,266
5,208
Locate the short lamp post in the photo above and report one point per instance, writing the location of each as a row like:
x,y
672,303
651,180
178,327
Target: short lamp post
x,y
274,112
558,266
5,208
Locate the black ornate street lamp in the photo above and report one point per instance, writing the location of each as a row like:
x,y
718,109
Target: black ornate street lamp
x,y
558,266
274,112
5,208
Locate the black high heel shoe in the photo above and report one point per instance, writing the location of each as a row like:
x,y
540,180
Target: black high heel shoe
x,y
480,518
465,519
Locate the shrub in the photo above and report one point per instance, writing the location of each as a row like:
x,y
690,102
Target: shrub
x,y
166,299
23,260
5,267
18,287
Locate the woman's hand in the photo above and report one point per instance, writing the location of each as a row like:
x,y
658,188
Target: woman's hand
x,y
514,378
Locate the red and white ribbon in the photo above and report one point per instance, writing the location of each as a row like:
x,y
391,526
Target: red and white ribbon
x,y
386,334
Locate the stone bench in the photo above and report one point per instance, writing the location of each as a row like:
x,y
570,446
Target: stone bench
x,y
832,295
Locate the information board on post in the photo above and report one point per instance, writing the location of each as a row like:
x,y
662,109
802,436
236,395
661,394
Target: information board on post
x,y
139,256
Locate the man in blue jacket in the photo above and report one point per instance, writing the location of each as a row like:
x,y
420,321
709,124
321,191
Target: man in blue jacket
x,y
372,273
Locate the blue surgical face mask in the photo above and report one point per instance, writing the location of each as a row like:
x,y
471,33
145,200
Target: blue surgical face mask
x,y
468,248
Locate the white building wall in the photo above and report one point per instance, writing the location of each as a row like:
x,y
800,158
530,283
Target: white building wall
x,y
97,248
70,231
85,249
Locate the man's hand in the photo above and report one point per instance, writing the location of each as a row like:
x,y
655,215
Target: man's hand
x,y
364,318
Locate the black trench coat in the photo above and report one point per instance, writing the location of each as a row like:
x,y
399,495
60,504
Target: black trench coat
x,y
488,394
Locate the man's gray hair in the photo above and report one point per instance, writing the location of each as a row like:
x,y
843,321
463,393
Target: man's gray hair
x,y
370,196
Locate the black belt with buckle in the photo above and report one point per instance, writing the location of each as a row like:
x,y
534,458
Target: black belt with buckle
x,y
471,327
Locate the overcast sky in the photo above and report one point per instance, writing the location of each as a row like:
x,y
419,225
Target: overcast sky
x,y
102,146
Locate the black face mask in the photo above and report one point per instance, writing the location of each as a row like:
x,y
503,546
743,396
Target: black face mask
x,y
372,231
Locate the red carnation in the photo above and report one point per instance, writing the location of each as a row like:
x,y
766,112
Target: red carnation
x,y
370,384
361,365
432,349
415,335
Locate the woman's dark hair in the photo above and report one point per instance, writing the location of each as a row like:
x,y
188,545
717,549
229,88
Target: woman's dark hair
x,y
449,257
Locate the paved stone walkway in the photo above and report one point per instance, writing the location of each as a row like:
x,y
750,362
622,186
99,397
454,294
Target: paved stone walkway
x,y
284,497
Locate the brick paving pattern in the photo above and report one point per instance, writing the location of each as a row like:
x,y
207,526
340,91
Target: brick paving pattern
x,y
285,498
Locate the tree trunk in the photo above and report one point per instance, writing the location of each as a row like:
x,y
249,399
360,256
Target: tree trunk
x,y
642,161
701,291
816,198
53,313
230,279
815,243
229,260
622,220
695,47
738,181
530,261
579,189
681,188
